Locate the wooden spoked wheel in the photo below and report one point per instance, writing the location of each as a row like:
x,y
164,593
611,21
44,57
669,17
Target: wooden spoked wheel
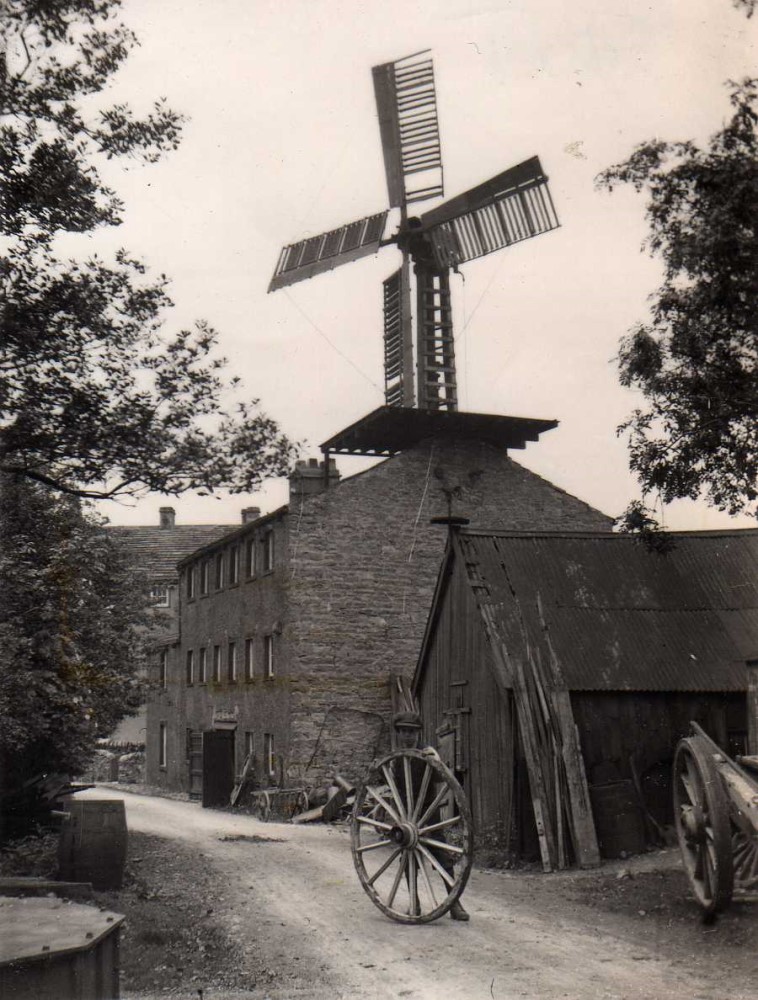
x,y
412,836
701,816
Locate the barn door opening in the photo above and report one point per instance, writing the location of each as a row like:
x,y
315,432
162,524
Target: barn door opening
x,y
218,767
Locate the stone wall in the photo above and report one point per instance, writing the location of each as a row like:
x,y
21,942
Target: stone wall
x,y
116,761
348,599
248,610
364,563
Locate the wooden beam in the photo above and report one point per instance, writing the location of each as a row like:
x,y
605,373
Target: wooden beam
x,y
582,820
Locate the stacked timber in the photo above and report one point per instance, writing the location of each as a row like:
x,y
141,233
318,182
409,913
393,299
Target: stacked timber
x,y
527,668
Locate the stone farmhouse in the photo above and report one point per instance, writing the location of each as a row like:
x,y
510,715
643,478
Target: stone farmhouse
x,y
291,626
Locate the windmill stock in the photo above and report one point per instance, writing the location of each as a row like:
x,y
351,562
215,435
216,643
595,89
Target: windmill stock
x,y
509,208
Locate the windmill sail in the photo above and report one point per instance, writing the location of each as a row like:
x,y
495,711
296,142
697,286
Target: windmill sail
x,y
317,254
406,103
509,208
398,338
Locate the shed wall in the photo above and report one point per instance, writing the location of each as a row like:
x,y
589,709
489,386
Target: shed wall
x,y
459,693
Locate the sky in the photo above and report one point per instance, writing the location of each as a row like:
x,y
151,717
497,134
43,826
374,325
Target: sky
x,y
282,142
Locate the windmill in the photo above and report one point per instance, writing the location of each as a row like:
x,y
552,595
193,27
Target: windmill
x,y
511,207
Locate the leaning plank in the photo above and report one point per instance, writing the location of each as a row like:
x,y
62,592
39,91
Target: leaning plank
x,y
311,816
582,820
237,790
343,783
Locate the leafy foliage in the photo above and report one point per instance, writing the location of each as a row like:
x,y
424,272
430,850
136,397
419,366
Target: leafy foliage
x,y
746,6
90,388
696,360
95,398
637,520
73,620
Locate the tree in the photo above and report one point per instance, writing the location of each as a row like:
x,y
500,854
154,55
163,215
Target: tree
x,y
696,360
73,632
95,399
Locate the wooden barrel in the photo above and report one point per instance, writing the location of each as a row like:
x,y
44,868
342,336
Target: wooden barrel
x,y
92,844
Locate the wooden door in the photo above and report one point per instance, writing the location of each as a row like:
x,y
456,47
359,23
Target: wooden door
x,y
195,758
218,766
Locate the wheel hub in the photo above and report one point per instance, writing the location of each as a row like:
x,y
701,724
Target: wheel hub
x,y
693,823
404,835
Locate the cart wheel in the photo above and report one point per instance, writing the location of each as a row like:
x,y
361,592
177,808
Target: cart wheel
x,y
262,806
701,815
412,836
745,860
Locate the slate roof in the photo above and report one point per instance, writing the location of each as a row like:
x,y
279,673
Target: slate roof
x,y
620,616
158,550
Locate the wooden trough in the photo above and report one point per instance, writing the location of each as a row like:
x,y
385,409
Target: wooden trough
x,y
51,949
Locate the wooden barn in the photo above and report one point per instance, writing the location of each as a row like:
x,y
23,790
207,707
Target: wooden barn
x,y
558,671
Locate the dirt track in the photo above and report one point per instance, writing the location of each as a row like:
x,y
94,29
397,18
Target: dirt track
x,y
290,892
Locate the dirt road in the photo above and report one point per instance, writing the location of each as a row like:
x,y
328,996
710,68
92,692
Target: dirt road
x,y
530,936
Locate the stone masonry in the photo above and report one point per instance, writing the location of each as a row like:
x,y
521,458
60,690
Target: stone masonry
x,y
364,561
344,604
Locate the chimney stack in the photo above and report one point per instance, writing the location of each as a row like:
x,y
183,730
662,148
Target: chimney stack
x,y
307,478
167,517
250,514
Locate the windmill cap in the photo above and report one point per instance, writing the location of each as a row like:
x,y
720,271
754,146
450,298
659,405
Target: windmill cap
x,y
407,719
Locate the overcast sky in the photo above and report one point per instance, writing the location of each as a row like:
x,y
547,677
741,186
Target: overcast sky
x,y
283,143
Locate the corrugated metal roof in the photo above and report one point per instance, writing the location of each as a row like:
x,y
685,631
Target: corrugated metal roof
x,y
622,617
157,550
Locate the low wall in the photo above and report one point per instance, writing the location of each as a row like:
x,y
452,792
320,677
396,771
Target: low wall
x,y
123,762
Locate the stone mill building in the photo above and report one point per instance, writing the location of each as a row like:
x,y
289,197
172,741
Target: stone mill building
x,y
291,626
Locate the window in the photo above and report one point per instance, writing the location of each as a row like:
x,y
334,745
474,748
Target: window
x,y
268,657
159,595
231,662
162,745
234,565
250,556
163,668
201,666
249,659
268,551
190,667
190,583
269,761
219,574
249,744
204,576
216,664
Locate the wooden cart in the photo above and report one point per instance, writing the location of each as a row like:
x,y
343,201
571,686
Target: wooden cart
x,y
716,818
412,836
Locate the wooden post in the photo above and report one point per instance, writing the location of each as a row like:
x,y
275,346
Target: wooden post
x,y
752,706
